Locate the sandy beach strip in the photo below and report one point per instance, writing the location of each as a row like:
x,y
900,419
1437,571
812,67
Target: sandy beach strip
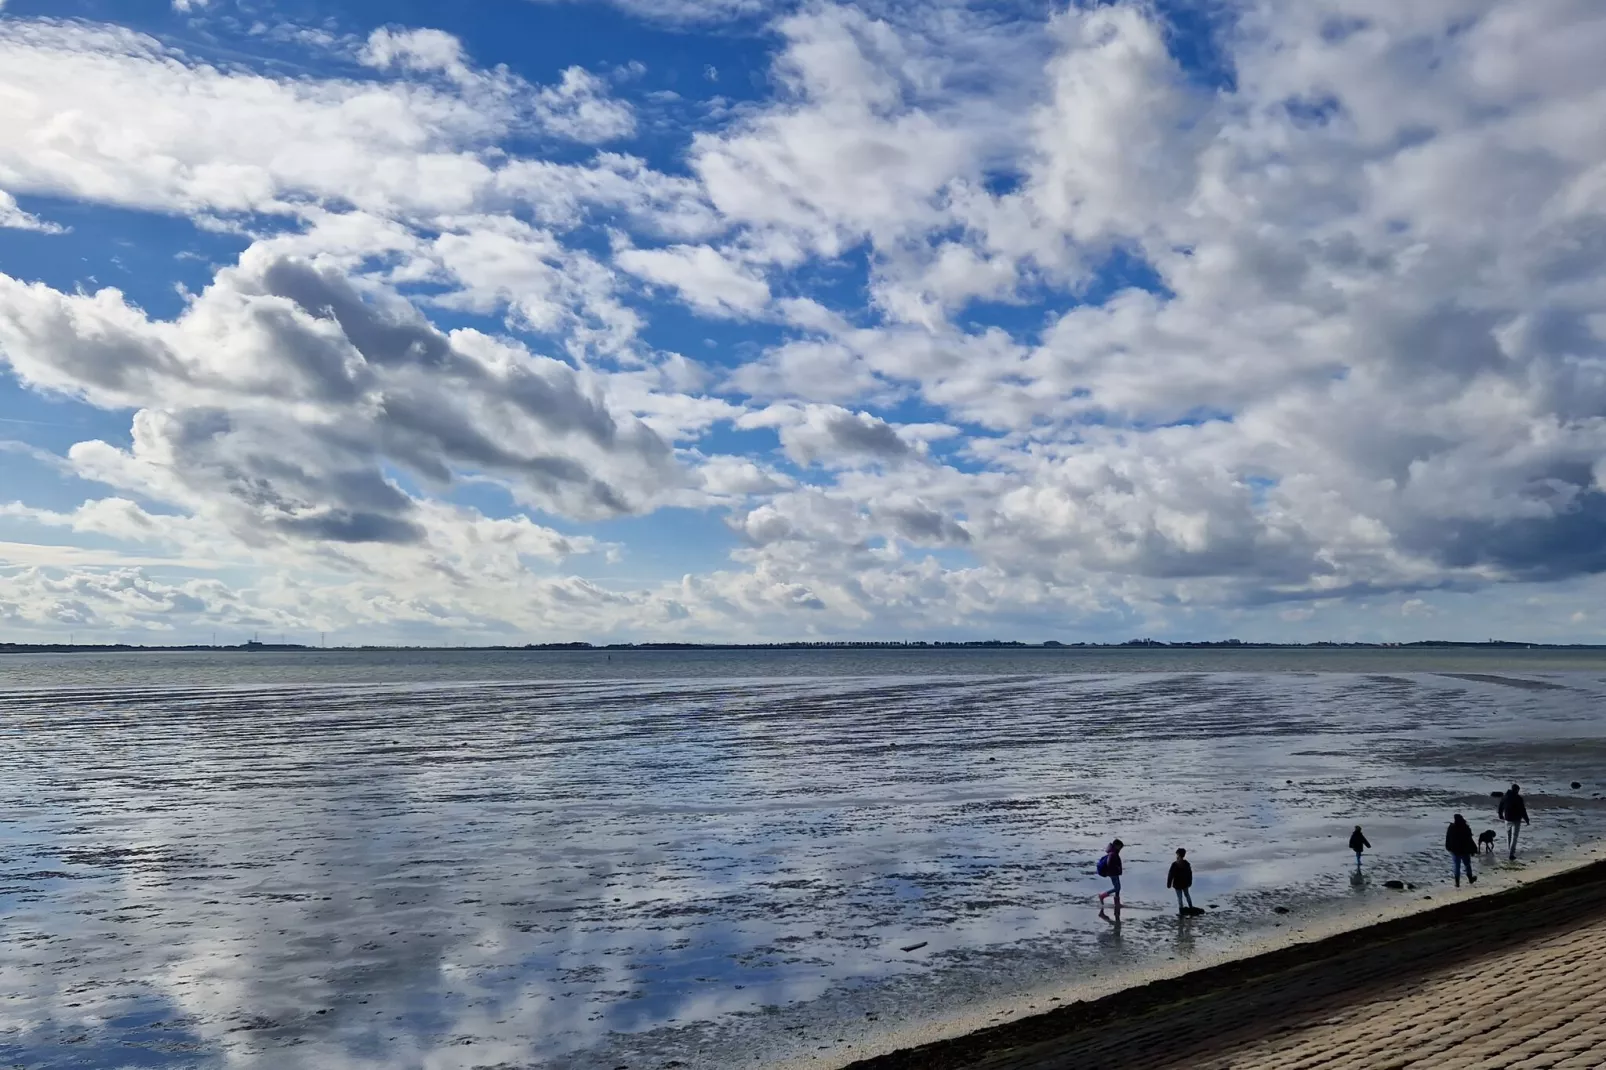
x,y
1514,979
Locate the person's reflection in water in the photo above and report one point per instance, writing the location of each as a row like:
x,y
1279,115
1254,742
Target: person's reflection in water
x,y
1357,880
1184,937
1113,938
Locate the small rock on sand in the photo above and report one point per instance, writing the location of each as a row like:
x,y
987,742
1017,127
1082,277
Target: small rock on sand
x,y
915,947
1279,910
1576,785
1398,886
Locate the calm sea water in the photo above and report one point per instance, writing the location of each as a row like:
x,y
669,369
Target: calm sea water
x,y
334,859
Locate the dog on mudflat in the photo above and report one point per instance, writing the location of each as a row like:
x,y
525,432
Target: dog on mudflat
x,y
1486,840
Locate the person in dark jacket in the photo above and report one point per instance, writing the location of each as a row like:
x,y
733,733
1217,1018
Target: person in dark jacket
x,y
1358,843
1462,845
1112,870
1180,877
1514,812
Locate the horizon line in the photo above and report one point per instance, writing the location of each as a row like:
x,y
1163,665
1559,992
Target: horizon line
x,y
580,646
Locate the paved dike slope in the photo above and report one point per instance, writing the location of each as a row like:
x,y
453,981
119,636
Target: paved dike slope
x,y
1516,979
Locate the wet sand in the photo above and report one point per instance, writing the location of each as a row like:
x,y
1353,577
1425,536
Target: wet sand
x,y
586,874
1513,979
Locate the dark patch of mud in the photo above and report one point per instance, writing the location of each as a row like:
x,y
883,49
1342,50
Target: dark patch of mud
x,y
1506,681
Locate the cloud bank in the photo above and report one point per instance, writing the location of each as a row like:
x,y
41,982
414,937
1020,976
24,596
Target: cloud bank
x,y
1024,326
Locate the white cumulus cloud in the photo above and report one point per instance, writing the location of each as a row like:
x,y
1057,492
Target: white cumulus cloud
x,y
1010,318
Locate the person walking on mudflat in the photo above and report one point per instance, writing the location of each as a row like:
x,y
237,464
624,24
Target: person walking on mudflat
x,y
1358,843
1180,877
1110,866
1462,845
1514,812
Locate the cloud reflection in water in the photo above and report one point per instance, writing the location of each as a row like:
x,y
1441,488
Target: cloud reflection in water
x,y
506,874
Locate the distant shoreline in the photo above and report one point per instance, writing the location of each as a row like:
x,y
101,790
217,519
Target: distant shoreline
x,y
990,644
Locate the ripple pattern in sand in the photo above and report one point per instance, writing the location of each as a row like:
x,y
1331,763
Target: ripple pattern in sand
x,y
517,874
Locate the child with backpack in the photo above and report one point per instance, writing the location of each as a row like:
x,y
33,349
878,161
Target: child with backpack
x,y
1180,877
1110,866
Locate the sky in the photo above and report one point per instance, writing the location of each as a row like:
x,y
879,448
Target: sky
x,y
733,320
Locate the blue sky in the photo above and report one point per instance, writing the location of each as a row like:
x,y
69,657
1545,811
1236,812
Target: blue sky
x,y
719,319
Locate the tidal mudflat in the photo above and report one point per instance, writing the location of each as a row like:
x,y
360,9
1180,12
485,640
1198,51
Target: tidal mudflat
x,y
705,871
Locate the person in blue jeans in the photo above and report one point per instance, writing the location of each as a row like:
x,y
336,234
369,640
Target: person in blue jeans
x,y
1112,869
1180,877
1462,845
1358,843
